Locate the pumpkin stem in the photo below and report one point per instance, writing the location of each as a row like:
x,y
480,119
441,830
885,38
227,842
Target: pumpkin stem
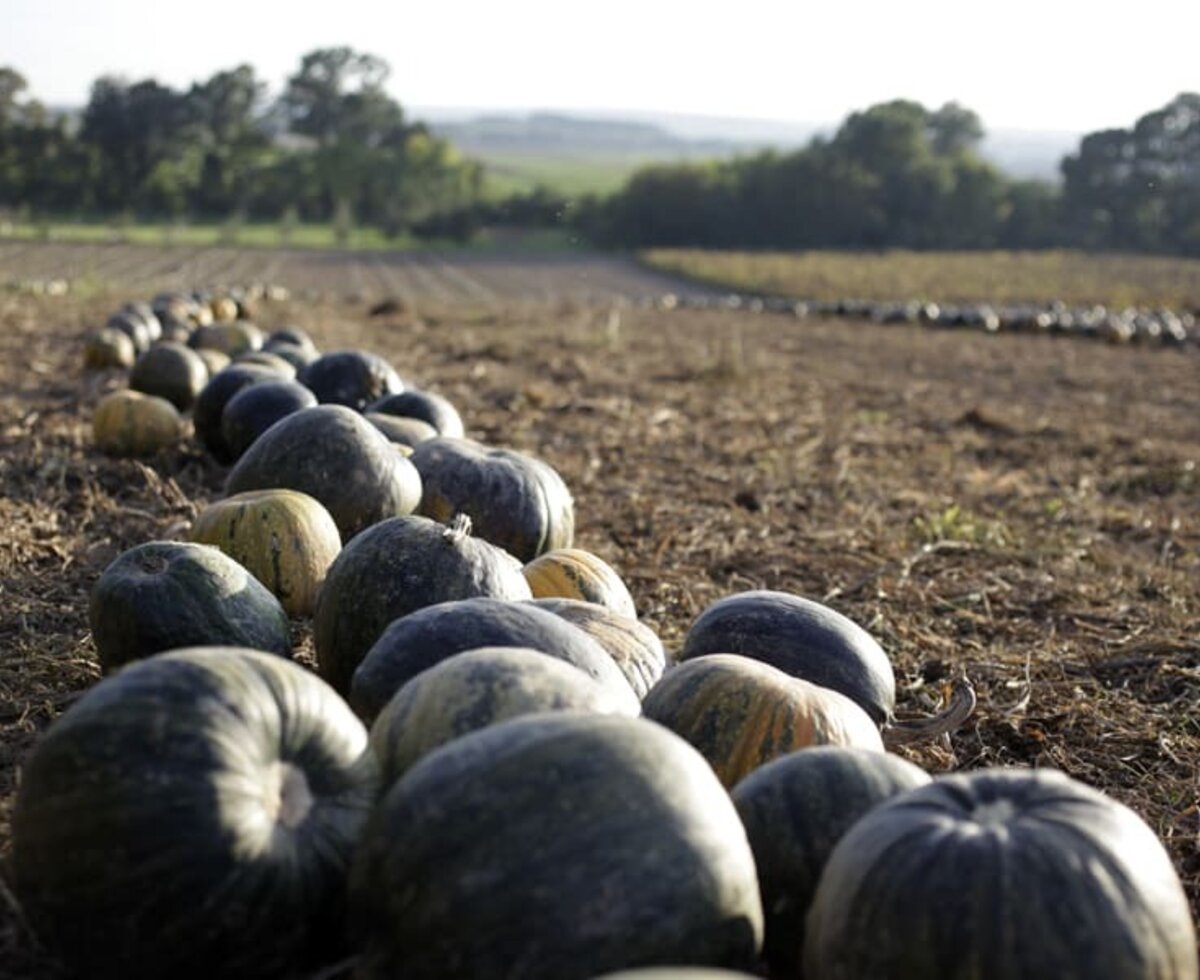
x,y
962,703
459,528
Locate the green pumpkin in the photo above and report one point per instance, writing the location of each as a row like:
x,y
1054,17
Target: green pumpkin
x,y
193,816
163,595
557,845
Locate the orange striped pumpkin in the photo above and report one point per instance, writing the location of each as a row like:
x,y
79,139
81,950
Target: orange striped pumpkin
x,y
741,713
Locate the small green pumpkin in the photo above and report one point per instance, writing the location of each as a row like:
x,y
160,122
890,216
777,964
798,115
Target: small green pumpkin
x,y
163,595
130,423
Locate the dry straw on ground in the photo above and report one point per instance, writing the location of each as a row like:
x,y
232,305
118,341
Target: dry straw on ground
x,y
1025,507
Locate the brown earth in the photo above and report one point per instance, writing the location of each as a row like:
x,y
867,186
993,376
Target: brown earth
x,y
1026,508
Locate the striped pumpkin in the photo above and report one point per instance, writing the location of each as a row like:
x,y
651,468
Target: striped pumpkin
x,y
284,538
129,423
572,573
740,713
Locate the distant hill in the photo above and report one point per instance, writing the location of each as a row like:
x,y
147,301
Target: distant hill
x,y
577,153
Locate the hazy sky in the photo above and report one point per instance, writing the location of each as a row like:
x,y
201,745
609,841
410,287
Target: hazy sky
x,y
1035,64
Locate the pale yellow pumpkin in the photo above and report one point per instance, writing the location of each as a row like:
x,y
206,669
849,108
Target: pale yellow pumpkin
x,y
130,423
285,539
572,573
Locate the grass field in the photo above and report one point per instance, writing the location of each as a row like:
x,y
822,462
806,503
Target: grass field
x,y
512,172
994,277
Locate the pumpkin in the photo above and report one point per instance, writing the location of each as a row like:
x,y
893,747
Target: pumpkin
x,y
210,405
285,539
297,356
134,327
176,331
280,365
354,378
572,573
513,500
295,336
224,309
474,689
394,568
635,647
401,430
802,638
170,371
421,639
1000,873
162,595
257,407
108,348
193,816
145,313
229,338
214,360
423,405
332,453
555,845
741,713
795,810
129,423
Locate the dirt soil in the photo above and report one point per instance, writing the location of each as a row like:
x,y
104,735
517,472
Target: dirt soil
x,y
1024,508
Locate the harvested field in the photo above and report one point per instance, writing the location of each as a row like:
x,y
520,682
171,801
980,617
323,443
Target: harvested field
x,y
1024,508
480,278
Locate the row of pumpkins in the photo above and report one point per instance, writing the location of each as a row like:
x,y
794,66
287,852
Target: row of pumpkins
x,y
497,770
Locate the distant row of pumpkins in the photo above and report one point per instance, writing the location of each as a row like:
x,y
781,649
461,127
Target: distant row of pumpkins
x,y
497,770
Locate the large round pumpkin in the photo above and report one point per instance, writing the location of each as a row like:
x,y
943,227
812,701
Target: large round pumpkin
x,y
284,538
477,688
353,378
193,817
803,638
257,407
572,573
1000,874
513,500
426,637
332,453
741,713
129,423
422,405
635,647
558,845
163,595
210,405
229,338
795,810
171,371
394,568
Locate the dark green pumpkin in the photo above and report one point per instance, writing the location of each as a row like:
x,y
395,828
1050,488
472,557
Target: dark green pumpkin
x,y
296,336
171,371
353,378
1001,874
426,637
194,816
795,810
254,409
400,429
741,713
163,595
210,405
296,355
558,845
332,453
134,327
423,405
394,568
264,358
635,647
477,688
800,637
513,500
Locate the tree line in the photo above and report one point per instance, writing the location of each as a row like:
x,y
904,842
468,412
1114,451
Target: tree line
x,y
901,175
334,146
